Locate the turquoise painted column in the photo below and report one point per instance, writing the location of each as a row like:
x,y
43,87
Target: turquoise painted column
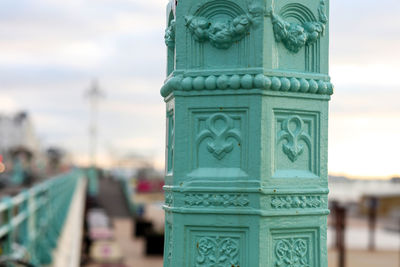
x,y
246,94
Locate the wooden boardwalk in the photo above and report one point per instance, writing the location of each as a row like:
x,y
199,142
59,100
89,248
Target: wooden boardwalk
x,y
363,258
111,199
133,248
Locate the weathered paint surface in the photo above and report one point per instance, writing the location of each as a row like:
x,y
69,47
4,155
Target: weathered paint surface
x,y
246,94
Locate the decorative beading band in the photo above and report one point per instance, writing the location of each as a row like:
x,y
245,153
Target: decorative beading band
x,y
247,81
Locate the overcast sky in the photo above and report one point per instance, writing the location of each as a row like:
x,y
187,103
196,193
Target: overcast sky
x,y
50,50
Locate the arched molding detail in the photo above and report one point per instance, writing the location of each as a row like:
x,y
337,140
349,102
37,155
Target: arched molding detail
x,y
297,11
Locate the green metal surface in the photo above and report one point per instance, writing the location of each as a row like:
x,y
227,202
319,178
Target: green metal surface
x,y
93,179
18,176
34,219
246,95
129,194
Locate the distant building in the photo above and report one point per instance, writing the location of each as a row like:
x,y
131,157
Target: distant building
x,y
395,180
348,190
17,131
356,194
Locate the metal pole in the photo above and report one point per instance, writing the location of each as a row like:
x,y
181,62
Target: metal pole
x,y
340,231
372,214
94,94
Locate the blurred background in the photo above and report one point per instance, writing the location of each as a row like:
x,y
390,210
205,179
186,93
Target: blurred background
x,y
79,87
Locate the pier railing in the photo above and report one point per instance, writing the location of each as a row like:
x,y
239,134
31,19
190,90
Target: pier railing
x,y
32,221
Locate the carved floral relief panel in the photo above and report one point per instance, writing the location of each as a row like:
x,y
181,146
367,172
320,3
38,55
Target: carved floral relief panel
x,y
298,30
307,31
169,36
296,144
220,200
219,33
295,202
219,140
291,252
211,247
295,248
169,198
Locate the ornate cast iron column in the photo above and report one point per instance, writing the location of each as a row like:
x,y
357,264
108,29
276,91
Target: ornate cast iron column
x,y
247,94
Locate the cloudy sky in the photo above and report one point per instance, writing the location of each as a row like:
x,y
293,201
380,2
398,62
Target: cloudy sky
x,y
50,50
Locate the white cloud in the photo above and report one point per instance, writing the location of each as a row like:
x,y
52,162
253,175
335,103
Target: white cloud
x,y
8,104
370,75
364,144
